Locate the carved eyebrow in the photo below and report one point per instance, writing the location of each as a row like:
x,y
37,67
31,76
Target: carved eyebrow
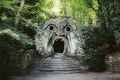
x,y
50,25
67,26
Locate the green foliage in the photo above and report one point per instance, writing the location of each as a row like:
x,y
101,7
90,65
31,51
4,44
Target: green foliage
x,y
117,38
14,42
99,41
93,36
81,11
106,13
117,54
21,36
94,55
116,29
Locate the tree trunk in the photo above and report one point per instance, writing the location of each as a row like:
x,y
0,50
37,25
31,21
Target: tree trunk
x,y
18,13
108,17
101,16
114,7
118,5
64,7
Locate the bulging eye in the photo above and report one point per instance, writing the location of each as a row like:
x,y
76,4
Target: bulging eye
x,y
68,28
51,27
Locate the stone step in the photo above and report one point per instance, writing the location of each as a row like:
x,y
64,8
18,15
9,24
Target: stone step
x,y
59,64
56,72
64,63
58,69
59,72
73,66
58,60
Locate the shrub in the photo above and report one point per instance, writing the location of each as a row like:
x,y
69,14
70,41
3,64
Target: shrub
x,y
94,55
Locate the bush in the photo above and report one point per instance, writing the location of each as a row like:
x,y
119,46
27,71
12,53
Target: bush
x,y
117,38
94,56
12,44
116,30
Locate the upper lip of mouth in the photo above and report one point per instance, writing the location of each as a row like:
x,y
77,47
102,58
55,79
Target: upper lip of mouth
x,y
58,37
61,35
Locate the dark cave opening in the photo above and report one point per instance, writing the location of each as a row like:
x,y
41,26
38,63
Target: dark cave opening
x,y
58,46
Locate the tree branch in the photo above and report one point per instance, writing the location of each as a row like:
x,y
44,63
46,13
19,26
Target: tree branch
x,y
18,13
92,7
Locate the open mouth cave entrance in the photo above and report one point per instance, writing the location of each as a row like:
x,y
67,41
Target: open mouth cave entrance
x,y
58,46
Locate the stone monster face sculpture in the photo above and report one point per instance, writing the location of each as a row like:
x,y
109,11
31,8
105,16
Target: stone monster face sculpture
x,y
58,35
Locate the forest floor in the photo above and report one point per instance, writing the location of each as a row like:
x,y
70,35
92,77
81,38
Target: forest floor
x,y
72,76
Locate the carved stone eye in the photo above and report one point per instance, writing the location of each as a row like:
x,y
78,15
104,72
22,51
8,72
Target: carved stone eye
x,y
51,27
68,29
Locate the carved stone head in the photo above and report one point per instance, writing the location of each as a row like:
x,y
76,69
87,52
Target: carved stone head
x,y
58,35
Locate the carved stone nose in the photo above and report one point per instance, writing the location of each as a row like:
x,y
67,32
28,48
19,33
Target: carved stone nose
x,y
59,33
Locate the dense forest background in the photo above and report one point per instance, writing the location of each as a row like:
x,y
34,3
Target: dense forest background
x,y
99,20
